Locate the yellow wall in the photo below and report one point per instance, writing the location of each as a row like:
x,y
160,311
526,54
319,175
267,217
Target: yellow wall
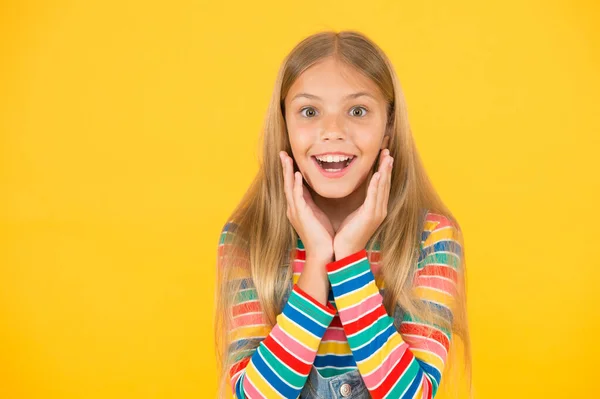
x,y
129,131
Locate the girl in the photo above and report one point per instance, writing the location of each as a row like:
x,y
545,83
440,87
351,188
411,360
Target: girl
x,y
341,273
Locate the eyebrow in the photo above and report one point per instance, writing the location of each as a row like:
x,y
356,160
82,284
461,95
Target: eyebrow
x,y
353,95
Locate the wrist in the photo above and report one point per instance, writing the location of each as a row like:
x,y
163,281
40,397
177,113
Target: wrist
x,y
313,280
343,248
315,267
345,251
317,256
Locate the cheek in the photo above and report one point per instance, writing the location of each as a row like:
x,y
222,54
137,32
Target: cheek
x,y
368,140
300,139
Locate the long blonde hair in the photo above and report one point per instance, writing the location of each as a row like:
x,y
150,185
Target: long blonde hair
x,y
264,236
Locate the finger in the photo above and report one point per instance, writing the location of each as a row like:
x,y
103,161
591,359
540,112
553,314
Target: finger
x,y
382,154
288,183
371,200
385,154
307,197
384,185
381,185
298,189
389,186
384,171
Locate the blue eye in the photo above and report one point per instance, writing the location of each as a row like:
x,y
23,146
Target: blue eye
x,y
359,107
305,108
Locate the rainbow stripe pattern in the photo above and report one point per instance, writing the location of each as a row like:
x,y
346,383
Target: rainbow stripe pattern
x,y
353,331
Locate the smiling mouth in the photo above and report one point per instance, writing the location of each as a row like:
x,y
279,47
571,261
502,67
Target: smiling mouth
x,y
334,166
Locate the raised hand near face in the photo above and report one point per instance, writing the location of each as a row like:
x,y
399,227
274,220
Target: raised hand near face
x,y
357,229
311,224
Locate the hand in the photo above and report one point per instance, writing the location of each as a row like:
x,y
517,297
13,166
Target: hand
x,y
358,227
311,224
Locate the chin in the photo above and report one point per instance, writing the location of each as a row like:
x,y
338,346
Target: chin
x,y
333,190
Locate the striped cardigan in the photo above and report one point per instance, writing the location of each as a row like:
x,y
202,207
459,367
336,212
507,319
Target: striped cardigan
x,y
353,331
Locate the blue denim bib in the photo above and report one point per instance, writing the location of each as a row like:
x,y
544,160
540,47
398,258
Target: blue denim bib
x,y
348,385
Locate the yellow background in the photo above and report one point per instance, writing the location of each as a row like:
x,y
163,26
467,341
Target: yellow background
x,y
129,131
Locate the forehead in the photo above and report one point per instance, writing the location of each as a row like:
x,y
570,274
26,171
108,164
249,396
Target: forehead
x,y
332,79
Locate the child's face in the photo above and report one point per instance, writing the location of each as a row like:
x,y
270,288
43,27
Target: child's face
x,y
321,118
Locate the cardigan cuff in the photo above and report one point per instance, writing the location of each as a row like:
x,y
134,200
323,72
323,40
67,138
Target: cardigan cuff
x,y
325,308
345,261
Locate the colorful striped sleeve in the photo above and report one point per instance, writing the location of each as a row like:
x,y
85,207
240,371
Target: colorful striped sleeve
x,y
273,362
404,363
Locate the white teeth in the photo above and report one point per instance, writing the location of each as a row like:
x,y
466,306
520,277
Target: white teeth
x,y
334,158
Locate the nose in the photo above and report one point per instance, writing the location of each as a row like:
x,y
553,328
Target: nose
x,y
333,129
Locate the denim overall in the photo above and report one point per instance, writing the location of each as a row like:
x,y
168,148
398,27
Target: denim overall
x,y
348,385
